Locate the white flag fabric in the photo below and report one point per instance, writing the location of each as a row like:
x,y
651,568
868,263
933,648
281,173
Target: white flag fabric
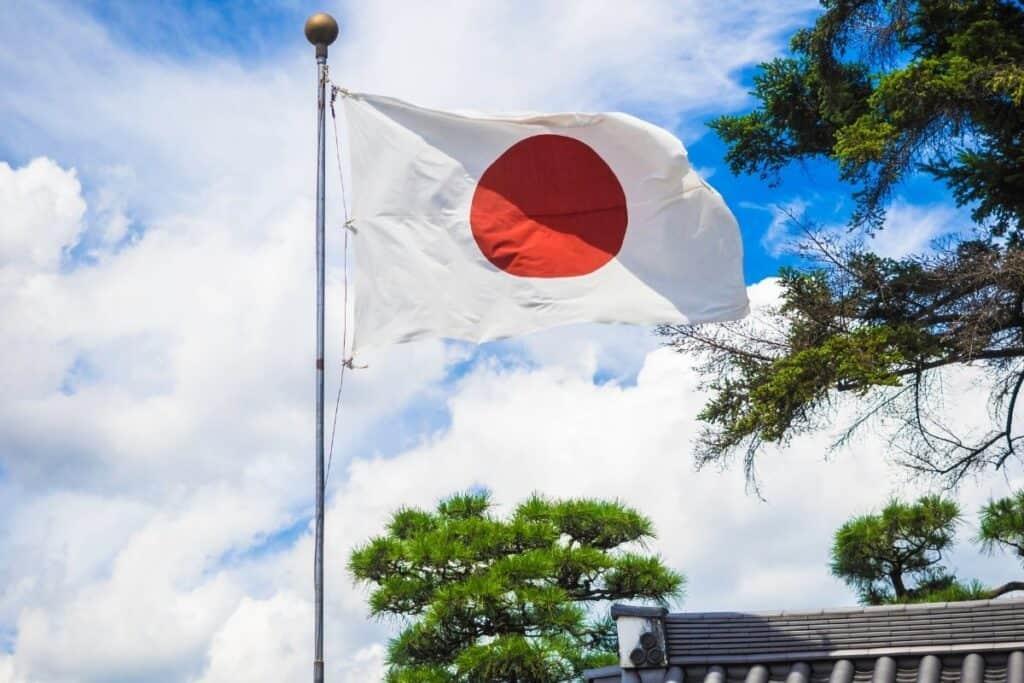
x,y
480,227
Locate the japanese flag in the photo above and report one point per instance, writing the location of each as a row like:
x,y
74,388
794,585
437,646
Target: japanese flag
x,y
480,227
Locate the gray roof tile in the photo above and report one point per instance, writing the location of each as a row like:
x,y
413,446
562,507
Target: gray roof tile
x,y
960,642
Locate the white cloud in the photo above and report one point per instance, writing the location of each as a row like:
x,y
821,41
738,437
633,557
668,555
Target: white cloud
x,y
41,210
913,229
778,237
547,429
671,60
280,624
7,673
909,229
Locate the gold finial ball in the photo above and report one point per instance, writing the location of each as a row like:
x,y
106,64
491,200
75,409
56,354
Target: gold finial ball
x,y
321,29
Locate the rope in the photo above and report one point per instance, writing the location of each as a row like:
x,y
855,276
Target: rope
x,y
346,361
337,149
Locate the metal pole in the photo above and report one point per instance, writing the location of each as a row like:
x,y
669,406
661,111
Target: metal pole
x,y
318,553
321,31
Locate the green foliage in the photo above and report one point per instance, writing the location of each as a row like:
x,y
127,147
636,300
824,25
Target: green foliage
x,y
884,89
489,599
947,589
801,113
1002,525
774,395
895,556
889,87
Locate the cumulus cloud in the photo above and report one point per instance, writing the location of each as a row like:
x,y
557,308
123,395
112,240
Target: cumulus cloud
x,y
41,210
172,371
155,351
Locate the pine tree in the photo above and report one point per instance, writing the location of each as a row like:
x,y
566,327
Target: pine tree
x,y
490,599
884,89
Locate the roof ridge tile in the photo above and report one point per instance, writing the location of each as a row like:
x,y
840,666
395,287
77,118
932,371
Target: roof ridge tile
x,y
965,605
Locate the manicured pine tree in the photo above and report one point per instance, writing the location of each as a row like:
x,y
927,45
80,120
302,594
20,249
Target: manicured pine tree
x,y
896,555
489,599
1002,526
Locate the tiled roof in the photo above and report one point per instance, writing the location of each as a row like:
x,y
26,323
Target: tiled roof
x,y
968,642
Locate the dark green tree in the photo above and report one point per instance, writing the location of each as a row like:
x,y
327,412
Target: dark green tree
x,y
884,89
896,555
489,599
1002,526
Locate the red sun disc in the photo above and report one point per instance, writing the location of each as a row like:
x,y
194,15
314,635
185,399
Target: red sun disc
x,y
549,206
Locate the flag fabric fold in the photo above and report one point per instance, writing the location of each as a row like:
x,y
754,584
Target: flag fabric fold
x,y
480,227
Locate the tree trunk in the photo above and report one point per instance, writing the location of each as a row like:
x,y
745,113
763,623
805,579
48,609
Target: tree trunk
x,y
897,583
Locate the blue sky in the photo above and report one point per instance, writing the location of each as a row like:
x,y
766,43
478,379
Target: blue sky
x,y
187,30
156,288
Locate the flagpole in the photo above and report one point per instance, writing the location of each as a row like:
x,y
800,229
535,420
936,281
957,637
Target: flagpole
x,y
321,31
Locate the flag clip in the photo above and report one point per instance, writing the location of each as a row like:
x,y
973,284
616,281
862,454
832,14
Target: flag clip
x,y
350,226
